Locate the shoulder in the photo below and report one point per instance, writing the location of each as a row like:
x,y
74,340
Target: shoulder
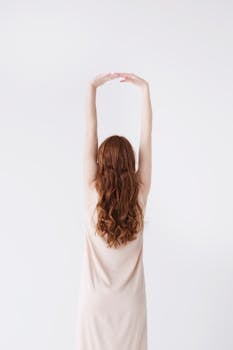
x,y
90,195
90,201
142,198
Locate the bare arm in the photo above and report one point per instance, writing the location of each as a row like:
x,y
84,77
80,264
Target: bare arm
x,y
145,146
91,137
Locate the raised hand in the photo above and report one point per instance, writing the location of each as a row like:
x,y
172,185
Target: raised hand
x,y
132,78
102,78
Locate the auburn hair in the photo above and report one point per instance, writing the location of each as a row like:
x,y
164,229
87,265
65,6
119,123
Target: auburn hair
x,y
119,215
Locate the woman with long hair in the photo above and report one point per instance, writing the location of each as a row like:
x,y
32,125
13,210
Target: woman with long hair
x,y
112,313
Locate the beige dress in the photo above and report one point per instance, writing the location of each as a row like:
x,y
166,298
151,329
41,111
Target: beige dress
x,y
112,310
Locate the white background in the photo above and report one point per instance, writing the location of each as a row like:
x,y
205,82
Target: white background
x,y
49,51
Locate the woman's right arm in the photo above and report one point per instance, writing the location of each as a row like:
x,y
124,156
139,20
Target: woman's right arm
x,y
145,145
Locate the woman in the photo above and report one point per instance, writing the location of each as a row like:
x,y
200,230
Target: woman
x,y
112,304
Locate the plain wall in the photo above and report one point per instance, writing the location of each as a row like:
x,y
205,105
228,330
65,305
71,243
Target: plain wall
x,y
49,52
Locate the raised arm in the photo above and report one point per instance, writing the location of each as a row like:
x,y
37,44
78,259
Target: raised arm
x,y
145,146
91,137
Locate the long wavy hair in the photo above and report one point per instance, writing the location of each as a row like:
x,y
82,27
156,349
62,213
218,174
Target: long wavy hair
x,y
120,217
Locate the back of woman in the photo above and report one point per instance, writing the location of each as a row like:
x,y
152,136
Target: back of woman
x,y
112,308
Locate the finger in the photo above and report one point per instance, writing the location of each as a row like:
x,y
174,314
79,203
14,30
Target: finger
x,y
126,75
114,76
107,75
111,74
118,73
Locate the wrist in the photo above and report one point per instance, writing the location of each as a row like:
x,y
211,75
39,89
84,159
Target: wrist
x,y
145,86
92,87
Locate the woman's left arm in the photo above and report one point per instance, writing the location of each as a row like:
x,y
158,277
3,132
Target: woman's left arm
x,y
91,137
